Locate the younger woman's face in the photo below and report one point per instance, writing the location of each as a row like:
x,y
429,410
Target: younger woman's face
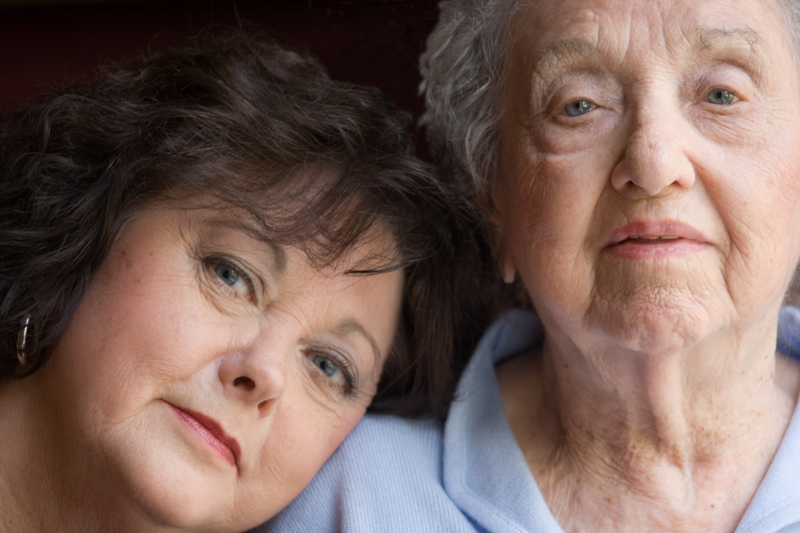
x,y
207,375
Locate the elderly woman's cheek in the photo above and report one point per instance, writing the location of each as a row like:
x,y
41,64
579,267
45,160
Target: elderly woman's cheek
x,y
757,191
764,227
547,203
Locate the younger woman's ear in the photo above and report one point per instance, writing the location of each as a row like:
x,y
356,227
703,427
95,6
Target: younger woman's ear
x,y
497,238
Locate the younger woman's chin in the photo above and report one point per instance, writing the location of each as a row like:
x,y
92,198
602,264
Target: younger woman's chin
x,y
177,497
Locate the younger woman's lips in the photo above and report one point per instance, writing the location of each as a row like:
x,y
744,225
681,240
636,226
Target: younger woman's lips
x,y
210,432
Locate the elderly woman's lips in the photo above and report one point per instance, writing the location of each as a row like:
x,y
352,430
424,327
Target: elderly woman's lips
x,y
654,239
655,249
210,433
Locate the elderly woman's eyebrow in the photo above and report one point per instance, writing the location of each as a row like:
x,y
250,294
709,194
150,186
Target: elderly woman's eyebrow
x,y
744,43
350,325
560,52
742,46
244,226
715,37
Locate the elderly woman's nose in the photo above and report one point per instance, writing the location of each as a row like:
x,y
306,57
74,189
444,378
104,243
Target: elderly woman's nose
x,y
256,375
655,159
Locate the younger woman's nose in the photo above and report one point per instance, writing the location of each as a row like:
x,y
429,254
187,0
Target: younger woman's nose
x,y
256,374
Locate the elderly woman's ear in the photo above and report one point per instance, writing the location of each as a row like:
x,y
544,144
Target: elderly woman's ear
x,y
497,235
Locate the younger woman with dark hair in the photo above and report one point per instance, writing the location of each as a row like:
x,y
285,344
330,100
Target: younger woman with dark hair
x,y
210,262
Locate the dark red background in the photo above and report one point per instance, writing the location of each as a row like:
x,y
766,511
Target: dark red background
x,y
375,42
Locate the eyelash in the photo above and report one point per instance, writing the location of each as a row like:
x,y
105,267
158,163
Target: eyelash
x,y
344,367
214,260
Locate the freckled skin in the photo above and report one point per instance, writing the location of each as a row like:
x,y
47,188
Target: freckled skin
x,y
158,327
638,386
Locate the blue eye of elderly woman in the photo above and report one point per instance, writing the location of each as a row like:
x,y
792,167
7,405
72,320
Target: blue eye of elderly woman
x,y
578,108
721,97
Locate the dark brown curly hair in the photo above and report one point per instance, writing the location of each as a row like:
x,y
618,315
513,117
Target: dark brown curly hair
x,y
243,123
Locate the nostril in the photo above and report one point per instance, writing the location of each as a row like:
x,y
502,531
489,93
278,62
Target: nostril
x,y
244,381
263,404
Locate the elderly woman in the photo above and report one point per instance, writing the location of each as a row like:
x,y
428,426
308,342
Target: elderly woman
x,y
210,261
638,165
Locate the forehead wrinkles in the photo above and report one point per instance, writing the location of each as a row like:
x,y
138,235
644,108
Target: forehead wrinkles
x,y
597,47
534,45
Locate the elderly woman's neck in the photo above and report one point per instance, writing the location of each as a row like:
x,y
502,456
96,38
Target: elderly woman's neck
x,y
674,404
672,427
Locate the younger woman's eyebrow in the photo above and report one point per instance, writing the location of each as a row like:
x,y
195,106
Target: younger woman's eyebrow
x,y
245,227
350,325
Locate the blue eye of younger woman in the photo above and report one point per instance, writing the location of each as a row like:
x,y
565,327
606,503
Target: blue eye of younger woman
x,y
232,277
336,372
325,365
578,108
227,274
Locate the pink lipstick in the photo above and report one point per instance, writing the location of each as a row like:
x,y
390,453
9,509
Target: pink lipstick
x,y
210,433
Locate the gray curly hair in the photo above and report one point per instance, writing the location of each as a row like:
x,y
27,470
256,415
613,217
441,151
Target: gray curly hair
x,y
791,18
463,71
463,78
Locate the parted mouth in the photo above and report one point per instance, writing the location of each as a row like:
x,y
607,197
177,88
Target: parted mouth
x,y
201,424
653,232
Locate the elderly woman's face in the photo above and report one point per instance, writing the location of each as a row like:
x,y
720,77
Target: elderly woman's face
x,y
209,375
648,183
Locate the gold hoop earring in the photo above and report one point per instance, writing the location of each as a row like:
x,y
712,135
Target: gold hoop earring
x,y
25,328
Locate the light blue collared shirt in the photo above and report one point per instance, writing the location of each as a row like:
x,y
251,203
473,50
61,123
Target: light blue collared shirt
x,y
396,475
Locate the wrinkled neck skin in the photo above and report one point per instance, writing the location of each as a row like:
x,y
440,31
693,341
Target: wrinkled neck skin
x,y
42,490
670,441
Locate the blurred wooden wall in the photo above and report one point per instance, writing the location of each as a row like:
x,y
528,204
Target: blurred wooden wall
x,y
47,43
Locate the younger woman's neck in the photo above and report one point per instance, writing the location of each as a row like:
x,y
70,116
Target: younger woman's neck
x,y
22,464
40,490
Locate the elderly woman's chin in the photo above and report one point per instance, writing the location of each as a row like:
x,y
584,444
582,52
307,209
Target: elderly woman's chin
x,y
656,307
655,315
